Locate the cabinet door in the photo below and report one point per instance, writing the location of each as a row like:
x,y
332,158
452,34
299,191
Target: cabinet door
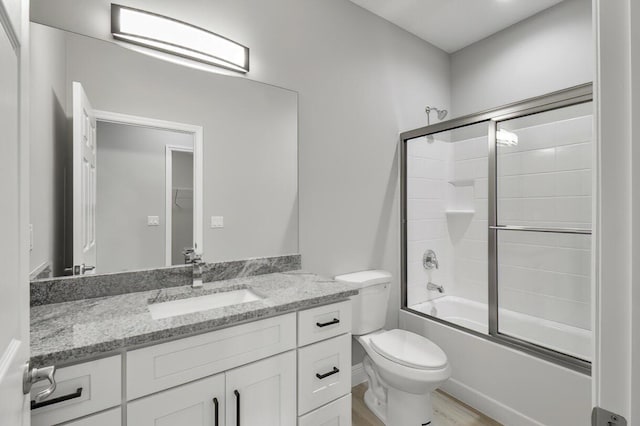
x,y
199,403
263,393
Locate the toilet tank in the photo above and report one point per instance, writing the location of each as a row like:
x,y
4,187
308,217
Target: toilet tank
x,y
369,306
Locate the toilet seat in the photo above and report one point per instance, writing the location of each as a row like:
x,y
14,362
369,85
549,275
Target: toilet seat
x,y
409,349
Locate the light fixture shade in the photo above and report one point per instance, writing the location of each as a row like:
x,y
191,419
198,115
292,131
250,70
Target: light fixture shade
x,y
178,38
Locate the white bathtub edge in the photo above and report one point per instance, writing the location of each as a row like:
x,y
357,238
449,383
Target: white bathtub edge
x,y
486,405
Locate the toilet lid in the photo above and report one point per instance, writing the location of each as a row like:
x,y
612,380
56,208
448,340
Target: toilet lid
x,y
409,349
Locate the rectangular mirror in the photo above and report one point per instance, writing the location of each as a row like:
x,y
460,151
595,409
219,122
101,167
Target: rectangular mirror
x,y
135,159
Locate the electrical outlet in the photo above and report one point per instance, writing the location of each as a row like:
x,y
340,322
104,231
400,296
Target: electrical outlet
x,y
30,237
217,221
153,220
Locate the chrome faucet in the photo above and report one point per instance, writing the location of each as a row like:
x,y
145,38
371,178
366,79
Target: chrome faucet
x,y
436,287
429,260
190,256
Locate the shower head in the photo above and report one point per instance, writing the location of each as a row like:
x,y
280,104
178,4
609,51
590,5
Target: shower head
x,y
442,113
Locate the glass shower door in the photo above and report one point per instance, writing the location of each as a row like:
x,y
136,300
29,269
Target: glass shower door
x,y
540,229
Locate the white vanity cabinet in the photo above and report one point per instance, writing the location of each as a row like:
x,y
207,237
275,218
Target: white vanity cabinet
x,y
288,370
200,403
81,390
263,393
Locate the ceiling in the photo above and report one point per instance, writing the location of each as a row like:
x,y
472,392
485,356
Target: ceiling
x,y
454,24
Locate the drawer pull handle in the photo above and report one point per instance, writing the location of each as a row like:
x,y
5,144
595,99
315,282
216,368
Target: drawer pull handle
x,y
215,411
324,324
76,394
330,373
237,394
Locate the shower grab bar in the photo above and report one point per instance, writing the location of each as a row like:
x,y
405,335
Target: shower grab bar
x,y
549,230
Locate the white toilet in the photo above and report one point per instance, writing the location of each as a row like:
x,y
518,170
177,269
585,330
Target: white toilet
x,y
403,367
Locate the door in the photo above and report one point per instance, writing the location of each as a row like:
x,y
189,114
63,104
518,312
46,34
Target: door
x,y
199,403
14,303
263,393
84,183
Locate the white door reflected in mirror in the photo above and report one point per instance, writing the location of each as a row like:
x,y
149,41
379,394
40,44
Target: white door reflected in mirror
x,y
141,209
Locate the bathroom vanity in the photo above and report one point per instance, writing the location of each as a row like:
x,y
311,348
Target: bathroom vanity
x,y
284,359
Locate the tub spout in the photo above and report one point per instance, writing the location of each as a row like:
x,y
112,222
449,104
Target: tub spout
x,y
436,287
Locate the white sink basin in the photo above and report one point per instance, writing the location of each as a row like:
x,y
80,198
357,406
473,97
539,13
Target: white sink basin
x,y
201,303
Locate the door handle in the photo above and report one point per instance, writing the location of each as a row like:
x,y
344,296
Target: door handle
x,y
237,394
35,375
77,394
215,412
330,373
334,321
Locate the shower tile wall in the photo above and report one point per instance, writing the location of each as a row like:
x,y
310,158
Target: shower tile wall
x,y
428,168
546,181
470,254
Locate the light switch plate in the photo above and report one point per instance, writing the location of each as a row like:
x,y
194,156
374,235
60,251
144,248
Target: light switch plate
x,y
153,220
217,221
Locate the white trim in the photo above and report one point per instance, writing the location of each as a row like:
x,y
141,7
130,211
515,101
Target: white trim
x,y
198,168
486,405
358,375
168,215
8,23
38,269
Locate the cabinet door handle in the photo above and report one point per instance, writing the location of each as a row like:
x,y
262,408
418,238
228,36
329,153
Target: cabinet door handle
x,y
237,394
215,411
76,394
324,324
330,373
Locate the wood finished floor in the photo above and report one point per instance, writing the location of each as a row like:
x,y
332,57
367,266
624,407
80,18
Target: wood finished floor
x,y
447,411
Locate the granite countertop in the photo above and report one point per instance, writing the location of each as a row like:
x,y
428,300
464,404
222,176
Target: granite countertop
x,y
63,333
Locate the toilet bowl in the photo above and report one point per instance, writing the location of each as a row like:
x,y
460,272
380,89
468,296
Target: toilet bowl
x,y
402,368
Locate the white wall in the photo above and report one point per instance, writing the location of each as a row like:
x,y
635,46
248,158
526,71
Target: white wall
x,y
49,146
360,79
550,51
130,187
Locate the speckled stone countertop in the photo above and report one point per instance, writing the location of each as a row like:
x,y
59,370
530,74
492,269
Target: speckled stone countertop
x,y
68,332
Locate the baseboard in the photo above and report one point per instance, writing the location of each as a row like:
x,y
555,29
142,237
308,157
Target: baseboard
x,y
489,406
357,374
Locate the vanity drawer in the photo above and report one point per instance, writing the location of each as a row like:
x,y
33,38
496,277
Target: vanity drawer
x,y
324,322
336,413
324,372
108,418
98,385
170,364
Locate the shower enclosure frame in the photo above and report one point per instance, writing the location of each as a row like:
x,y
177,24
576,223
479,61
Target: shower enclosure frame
x,y
563,98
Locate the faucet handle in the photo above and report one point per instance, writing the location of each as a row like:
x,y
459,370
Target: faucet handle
x,y
429,260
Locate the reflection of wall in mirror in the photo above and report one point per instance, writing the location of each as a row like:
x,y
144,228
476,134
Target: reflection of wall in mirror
x,y
250,152
131,187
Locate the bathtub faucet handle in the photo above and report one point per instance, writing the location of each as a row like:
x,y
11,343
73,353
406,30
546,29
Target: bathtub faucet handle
x,y
430,260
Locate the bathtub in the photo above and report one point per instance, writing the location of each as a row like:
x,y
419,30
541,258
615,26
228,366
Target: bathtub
x,y
473,315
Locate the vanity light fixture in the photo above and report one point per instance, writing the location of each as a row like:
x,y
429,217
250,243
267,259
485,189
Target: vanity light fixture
x,y
506,138
178,38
